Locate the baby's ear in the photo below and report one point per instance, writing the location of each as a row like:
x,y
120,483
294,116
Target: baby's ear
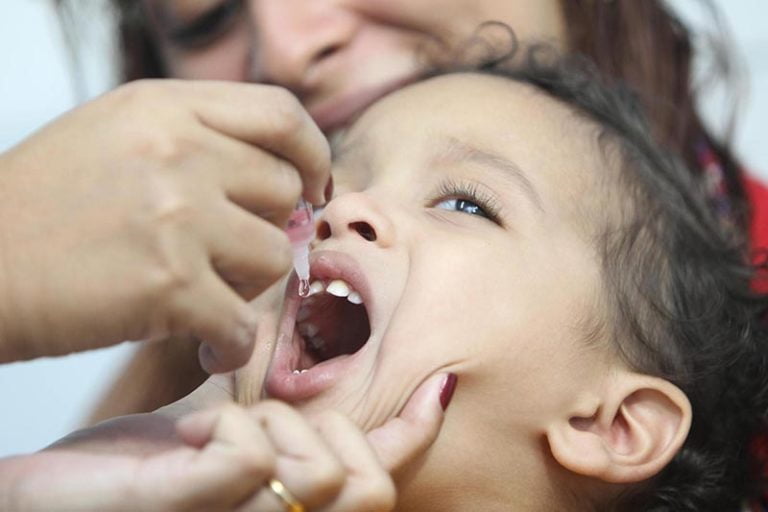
x,y
625,433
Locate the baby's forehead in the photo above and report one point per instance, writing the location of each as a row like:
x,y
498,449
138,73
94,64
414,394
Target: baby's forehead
x,y
467,105
496,114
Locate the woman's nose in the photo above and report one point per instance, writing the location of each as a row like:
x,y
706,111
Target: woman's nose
x,y
359,216
294,36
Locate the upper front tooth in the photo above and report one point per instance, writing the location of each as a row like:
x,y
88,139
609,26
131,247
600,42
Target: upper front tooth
x,y
355,298
316,287
338,288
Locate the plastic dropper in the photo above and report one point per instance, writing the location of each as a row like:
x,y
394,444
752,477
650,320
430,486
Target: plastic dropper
x,y
301,232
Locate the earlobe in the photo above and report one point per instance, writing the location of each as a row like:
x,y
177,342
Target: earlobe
x,y
627,434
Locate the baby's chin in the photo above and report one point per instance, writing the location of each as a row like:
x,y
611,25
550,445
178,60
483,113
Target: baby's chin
x,y
358,410
367,403
370,403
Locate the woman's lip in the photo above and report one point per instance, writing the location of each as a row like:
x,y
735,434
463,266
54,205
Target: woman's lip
x,y
337,112
281,382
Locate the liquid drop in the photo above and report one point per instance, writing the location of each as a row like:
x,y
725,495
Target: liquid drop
x,y
303,287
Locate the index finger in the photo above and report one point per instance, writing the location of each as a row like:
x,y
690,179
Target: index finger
x,y
407,436
271,118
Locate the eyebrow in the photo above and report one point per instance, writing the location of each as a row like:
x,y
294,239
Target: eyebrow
x,y
455,150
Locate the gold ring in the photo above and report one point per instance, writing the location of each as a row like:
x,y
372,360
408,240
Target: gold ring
x,y
291,503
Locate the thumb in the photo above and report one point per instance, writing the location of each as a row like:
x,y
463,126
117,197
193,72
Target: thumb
x,y
408,435
249,380
196,429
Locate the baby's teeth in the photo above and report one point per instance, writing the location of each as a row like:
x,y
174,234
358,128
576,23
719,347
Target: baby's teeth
x,y
338,288
355,298
316,287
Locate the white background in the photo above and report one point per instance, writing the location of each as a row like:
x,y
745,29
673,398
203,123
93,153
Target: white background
x,y
44,399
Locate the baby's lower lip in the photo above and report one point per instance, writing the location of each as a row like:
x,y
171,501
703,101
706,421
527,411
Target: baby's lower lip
x,y
286,382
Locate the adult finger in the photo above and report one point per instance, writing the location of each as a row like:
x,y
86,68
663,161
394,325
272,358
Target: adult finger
x,y
248,251
213,313
368,486
234,462
248,381
254,178
271,118
196,429
409,434
305,464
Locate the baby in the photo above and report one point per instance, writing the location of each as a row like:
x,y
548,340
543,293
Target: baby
x,y
521,230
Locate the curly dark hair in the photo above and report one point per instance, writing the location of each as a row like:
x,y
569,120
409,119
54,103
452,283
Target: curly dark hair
x,y
677,284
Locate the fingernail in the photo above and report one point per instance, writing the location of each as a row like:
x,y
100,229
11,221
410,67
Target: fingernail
x,y
446,392
207,358
329,190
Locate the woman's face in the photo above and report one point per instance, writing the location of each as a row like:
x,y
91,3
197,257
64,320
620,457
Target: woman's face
x,y
338,56
460,225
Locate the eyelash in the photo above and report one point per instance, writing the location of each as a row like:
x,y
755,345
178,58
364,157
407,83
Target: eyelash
x,y
207,26
469,191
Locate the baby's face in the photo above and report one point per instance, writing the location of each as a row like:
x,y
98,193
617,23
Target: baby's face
x,y
460,223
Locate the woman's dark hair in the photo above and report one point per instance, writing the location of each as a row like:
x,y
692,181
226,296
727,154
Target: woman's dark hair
x,y
677,287
141,56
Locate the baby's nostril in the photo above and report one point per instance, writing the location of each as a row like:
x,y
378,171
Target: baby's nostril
x,y
323,231
365,230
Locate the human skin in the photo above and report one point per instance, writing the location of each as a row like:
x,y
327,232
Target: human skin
x,y
493,210
377,47
141,238
500,301
223,457
206,452
337,56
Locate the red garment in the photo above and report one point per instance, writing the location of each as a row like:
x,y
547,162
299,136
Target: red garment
x,y
757,194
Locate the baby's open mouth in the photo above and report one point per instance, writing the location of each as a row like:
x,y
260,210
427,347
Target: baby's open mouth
x,y
331,322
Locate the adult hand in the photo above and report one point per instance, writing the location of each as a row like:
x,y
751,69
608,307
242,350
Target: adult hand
x,y
327,463
223,459
155,210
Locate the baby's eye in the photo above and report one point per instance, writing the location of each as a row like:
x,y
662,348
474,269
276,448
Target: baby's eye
x,y
208,26
468,197
462,205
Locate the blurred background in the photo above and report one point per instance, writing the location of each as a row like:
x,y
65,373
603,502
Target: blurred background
x,y
47,398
